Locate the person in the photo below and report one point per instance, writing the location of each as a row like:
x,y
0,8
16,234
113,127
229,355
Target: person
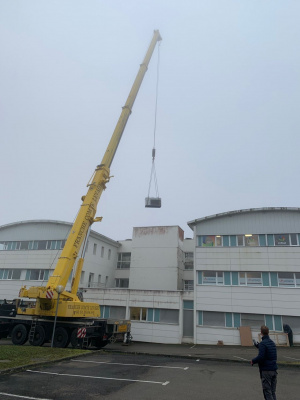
x,y
287,329
267,362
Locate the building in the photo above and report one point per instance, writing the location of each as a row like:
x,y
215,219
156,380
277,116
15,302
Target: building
x,y
240,269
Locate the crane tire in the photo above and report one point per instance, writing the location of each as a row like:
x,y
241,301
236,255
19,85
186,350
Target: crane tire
x,y
74,339
61,337
39,336
19,334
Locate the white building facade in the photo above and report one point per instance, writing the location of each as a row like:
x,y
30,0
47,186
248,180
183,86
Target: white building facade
x,y
240,269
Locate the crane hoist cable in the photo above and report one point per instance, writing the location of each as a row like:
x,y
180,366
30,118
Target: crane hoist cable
x,y
154,202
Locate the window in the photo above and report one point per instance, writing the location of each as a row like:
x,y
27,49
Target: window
x,y
206,241
250,278
189,260
188,304
109,254
99,280
102,251
212,278
113,312
122,283
212,318
10,274
138,314
253,320
91,280
251,240
37,274
82,277
286,279
188,285
154,315
124,260
282,240
95,249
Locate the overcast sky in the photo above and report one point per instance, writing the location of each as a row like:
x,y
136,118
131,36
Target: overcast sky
x,y
228,117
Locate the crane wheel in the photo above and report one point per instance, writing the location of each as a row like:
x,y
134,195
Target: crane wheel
x,y
74,339
38,337
61,337
19,334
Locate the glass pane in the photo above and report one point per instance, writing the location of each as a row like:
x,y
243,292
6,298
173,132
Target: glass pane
x,y
269,322
220,278
282,240
265,279
236,320
150,314
24,246
270,239
262,240
117,312
208,241
242,278
169,316
1,273
156,315
16,274
34,275
228,320
213,318
253,320
254,279
274,279
240,239
218,241
199,277
235,278
297,274
188,304
42,244
225,241
294,239
251,240
232,240
286,279
200,318
135,313
209,277
227,278
144,314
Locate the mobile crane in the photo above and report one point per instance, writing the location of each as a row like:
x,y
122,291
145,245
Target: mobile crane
x,y
57,313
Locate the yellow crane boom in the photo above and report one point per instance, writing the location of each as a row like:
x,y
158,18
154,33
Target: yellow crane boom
x,y
69,303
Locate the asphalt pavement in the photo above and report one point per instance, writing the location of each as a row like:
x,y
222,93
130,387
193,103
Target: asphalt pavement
x,y
286,356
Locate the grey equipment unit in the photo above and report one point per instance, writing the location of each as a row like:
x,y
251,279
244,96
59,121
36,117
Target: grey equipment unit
x,y
153,202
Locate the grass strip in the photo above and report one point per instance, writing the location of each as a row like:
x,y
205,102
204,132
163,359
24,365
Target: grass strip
x,y
18,356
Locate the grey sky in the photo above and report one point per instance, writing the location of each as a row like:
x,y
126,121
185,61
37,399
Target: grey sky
x,y
228,109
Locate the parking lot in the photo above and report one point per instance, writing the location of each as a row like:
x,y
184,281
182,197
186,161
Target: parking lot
x,y
128,376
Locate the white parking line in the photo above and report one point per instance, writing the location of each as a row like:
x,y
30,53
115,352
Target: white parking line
x,y
297,359
22,397
97,377
139,365
245,359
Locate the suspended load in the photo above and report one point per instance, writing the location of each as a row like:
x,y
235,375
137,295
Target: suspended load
x,y
153,202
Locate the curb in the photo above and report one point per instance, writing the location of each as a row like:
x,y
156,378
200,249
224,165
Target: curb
x,y
189,357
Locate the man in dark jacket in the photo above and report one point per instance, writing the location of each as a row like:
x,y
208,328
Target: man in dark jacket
x,y
267,362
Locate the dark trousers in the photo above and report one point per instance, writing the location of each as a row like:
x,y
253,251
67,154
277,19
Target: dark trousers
x,y
269,381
